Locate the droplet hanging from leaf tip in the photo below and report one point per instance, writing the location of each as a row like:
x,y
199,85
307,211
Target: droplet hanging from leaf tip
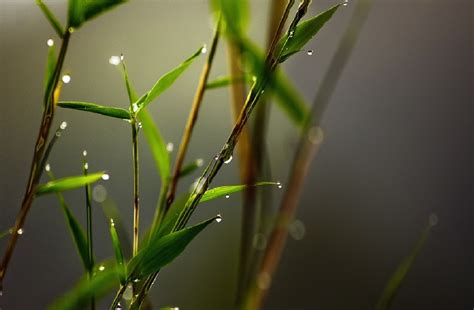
x,y
63,125
204,49
115,60
310,52
86,166
84,153
50,42
218,218
105,177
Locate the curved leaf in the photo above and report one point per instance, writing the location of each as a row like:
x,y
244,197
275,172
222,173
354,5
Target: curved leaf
x,y
68,183
229,189
118,252
95,108
80,11
304,32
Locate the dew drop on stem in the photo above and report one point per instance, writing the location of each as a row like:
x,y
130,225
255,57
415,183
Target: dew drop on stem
x,y
20,231
47,168
84,153
218,218
115,60
228,159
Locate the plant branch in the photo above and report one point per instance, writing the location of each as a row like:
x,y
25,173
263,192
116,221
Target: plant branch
x,y
309,143
192,118
136,198
35,172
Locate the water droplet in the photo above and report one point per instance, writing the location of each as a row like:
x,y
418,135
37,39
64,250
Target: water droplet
x,y
433,219
204,49
63,125
119,307
134,107
71,29
140,126
279,185
47,168
170,147
346,2
58,134
291,34
309,52
200,185
84,153
86,166
20,231
227,196
112,223
297,230
216,157
121,57
105,177
264,280
259,241
315,135
136,280
218,218
262,92
254,78
228,159
101,268
99,193
50,42
115,60
199,162
66,78
128,294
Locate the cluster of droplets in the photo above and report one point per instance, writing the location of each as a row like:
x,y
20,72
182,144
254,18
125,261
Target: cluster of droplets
x,y
62,126
279,185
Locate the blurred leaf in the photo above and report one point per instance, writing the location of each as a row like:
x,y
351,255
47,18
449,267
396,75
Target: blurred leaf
x,y
102,282
235,15
95,108
304,32
5,233
227,190
402,270
190,168
132,94
163,251
51,18
68,183
118,253
110,209
166,81
157,145
224,81
80,11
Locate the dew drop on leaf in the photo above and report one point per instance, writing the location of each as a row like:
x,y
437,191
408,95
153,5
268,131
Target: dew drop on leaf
x,y
218,218
105,177
50,42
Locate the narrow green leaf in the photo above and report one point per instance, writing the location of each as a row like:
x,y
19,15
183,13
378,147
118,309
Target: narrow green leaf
x,y
172,216
159,253
190,168
51,18
111,211
224,81
50,67
95,108
304,32
118,253
77,232
5,233
402,270
167,80
132,94
220,191
104,280
68,183
156,143
236,15
80,11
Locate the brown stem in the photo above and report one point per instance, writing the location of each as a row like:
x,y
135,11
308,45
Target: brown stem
x,y
38,152
309,143
192,118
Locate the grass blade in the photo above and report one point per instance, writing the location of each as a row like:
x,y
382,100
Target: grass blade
x,y
224,81
51,18
303,32
102,282
163,251
80,11
95,108
402,270
166,226
50,68
167,80
157,145
118,252
69,183
229,189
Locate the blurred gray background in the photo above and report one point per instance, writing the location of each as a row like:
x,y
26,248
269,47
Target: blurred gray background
x,y
398,147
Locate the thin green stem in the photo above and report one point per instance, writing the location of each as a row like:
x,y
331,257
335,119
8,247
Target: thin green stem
x,y
35,172
136,198
90,246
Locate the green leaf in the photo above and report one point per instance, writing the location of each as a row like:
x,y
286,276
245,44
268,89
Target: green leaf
x,y
80,11
163,251
111,211
157,145
51,18
190,168
5,233
95,108
50,67
224,81
402,270
118,253
166,81
172,216
132,94
77,232
235,15
304,32
229,189
68,183
102,282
